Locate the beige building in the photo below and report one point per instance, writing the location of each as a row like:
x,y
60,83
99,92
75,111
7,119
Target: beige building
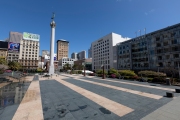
x,y
23,48
3,53
29,52
3,49
62,49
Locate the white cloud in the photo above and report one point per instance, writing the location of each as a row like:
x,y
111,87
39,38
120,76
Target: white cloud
x,y
149,12
152,10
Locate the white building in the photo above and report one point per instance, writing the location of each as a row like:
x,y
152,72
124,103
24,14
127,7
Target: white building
x,y
29,51
74,55
66,60
102,51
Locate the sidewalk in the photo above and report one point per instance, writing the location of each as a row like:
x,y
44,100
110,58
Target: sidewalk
x,y
170,111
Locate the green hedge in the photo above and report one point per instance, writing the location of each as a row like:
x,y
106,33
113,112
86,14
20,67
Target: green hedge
x,y
150,79
79,72
126,77
100,72
127,73
151,74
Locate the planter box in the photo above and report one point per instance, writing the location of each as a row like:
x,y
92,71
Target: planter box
x,y
169,94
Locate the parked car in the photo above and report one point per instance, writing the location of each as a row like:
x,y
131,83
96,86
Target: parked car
x,y
8,71
87,71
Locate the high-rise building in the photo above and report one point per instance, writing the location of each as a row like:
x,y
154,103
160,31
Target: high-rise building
x,y
81,55
74,55
14,46
29,51
3,49
62,49
90,52
124,55
102,51
158,50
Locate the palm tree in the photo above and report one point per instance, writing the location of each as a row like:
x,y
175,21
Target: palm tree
x,y
67,66
75,67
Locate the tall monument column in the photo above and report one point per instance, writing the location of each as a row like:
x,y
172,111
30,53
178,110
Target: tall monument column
x,y
51,64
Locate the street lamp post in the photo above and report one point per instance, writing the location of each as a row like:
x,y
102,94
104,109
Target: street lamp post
x,y
178,70
84,64
103,76
141,65
158,69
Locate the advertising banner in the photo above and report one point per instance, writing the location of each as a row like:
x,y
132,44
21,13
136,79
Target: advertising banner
x,y
48,57
30,36
55,56
13,47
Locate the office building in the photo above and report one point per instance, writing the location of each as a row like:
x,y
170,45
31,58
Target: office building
x,y
29,51
88,63
62,49
3,49
74,55
158,50
14,46
90,52
102,51
81,55
66,60
124,55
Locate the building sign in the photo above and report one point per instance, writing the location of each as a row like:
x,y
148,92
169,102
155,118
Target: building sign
x,y
48,57
13,47
55,56
30,36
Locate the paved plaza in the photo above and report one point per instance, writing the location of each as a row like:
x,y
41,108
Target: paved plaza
x,y
75,97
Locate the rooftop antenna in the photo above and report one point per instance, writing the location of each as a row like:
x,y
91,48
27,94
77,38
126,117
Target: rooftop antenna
x,y
136,33
145,32
140,32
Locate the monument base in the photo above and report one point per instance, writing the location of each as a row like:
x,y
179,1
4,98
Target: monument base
x,y
51,70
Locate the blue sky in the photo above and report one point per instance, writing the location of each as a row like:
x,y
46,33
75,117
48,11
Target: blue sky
x,y
83,21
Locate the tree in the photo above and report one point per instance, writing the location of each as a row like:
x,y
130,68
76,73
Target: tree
x,y
67,66
3,65
3,61
75,67
39,70
80,67
14,65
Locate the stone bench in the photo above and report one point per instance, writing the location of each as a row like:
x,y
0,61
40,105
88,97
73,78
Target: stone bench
x,y
177,90
169,94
